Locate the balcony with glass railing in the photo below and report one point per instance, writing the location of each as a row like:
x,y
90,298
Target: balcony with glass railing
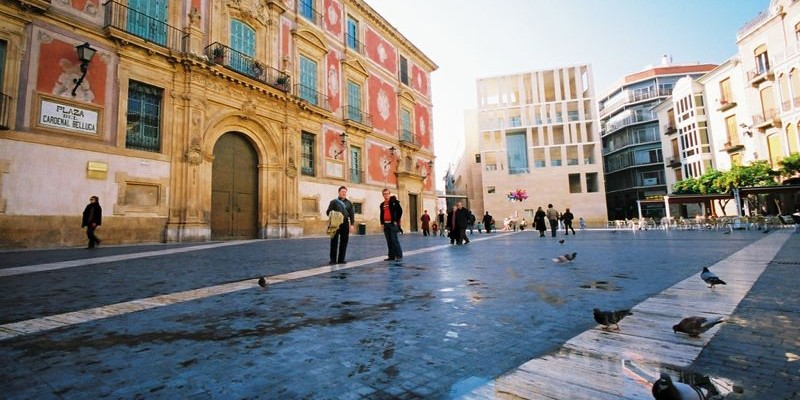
x,y
234,60
629,97
631,118
120,21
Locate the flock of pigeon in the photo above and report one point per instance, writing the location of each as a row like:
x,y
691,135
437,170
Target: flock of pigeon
x,y
664,388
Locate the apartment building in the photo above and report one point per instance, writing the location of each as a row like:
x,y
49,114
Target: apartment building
x,y
633,161
536,131
195,120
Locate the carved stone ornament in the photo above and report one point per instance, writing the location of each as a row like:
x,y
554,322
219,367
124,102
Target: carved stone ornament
x,y
194,155
291,171
255,10
195,17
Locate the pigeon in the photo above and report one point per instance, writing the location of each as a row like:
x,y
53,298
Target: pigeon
x,y
561,241
262,282
694,326
665,389
565,258
608,318
710,278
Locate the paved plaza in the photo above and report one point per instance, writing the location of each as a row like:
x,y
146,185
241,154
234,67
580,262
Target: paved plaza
x,y
189,321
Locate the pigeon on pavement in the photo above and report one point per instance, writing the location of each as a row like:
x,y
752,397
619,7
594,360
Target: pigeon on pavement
x,y
561,241
262,282
711,278
665,389
608,318
694,326
565,258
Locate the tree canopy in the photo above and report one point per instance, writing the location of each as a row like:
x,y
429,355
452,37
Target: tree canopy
x,y
758,173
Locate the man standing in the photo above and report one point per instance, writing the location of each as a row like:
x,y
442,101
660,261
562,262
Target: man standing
x,y
426,223
552,216
390,214
567,217
461,217
487,222
339,240
92,218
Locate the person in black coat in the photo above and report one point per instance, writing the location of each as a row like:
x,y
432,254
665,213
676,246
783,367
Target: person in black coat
x,y
461,216
390,214
487,222
92,218
567,217
539,221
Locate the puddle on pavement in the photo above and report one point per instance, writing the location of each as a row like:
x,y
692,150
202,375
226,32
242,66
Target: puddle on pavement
x,y
466,385
601,285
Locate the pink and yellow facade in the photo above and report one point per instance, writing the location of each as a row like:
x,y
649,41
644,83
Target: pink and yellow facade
x,y
206,119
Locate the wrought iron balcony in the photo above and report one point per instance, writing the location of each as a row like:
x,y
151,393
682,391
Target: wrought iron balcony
x,y
356,175
120,17
5,111
353,114
353,44
312,96
221,54
305,8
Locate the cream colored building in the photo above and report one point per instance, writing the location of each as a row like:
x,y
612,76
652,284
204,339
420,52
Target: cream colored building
x,y
199,120
537,131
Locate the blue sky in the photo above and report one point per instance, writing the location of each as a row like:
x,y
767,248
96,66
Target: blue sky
x,y
469,39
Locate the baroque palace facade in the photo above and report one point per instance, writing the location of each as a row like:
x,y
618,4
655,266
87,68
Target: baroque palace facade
x,y
206,119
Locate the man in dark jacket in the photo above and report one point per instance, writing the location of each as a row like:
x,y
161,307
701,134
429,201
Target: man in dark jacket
x,y
92,218
487,222
339,240
461,217
390,214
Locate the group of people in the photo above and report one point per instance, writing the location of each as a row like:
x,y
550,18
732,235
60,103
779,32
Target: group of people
x,y
342,220
552,216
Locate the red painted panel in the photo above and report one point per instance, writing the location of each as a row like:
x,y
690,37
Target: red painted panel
x,y
59,65
382,106
423,125
334,19
427,172
381,51
381,165
85,5
334,80
419,80
333,143
286,36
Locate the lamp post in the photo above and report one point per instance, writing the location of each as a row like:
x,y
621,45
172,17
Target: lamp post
x,y
343,139
85,54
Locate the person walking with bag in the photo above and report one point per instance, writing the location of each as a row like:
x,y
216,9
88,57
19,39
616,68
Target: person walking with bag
x,y
340,234
390,214
92,218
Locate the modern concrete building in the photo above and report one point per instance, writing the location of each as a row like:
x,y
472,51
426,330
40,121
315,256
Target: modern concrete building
x,y
631,137
536,131
212,119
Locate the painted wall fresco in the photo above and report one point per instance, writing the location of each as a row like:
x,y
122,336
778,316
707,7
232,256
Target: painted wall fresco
x,y
333,18
381,51
59,64
427,172
423,125
333,143
334,89
419,80
382,106
381,165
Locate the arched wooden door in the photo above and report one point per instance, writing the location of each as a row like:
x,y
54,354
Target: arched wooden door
x,y
234,195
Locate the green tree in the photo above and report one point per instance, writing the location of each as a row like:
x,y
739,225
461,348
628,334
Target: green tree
x,y
758,173
790,166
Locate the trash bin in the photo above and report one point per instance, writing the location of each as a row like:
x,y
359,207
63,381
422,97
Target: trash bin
x,y
362,229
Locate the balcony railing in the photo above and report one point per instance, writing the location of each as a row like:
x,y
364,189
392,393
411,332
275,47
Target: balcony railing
x,y
312,96
356,115
306,9
356,175
151,30
353,43
770,118
669,129
749,25
629,120
630,97
407,136
221,54
758,75
725,105
5,111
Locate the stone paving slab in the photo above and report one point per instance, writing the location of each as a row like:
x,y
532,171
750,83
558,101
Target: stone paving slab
x,y
431,327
